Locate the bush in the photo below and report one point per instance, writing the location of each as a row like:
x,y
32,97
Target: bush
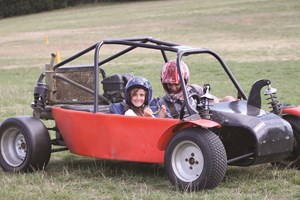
x,y
11,8
23,7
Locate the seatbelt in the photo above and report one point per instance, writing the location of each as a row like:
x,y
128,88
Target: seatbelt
x,y
174,113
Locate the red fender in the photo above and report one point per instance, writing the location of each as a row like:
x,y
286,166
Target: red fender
x,y
167,135
292,110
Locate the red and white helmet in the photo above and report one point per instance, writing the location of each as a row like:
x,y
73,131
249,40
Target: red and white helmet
x,y
169,73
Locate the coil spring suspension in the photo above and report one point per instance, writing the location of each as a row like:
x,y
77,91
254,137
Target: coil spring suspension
x,y
40,96
205,111
273,102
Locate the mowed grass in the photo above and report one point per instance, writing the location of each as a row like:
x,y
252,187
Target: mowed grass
x,y
257,39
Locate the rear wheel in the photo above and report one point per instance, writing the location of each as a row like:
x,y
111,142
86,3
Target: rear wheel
x,y
293,160
25,144
195,159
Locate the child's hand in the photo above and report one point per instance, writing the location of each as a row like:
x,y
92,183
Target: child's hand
x,y
148,112
163,111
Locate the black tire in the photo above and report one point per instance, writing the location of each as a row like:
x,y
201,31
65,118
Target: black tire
x,y
25,144
293,160
195,159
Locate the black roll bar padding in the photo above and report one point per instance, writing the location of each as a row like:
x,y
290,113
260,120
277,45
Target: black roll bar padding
x,y
143,42
190,109
232,78
164,55
96,76
75,56
133,43
186,52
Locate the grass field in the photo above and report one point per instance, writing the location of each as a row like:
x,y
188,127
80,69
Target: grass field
x,y
257,39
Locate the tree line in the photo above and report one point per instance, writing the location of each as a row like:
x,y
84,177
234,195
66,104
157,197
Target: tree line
x,y
9,8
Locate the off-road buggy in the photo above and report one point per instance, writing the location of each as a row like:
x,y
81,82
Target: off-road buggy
x,y
194,149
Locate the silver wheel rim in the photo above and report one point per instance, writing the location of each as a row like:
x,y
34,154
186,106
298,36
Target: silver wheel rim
x,y
13,147
187,161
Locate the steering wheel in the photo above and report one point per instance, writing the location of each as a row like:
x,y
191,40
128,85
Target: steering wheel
x,y
195,97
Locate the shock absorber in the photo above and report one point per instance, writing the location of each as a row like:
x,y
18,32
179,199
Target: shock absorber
x,y
40,98
205,111
273,102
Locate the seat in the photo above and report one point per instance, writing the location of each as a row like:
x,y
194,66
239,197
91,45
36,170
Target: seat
x,y
117,108
154,105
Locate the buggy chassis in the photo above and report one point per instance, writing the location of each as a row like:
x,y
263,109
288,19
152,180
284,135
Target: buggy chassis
x,y
195,149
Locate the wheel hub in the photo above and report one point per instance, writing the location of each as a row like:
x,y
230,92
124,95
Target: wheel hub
x,y
20,146
13,147
188,161
191,160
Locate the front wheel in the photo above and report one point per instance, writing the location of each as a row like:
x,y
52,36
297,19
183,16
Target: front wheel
x,y
293,160
195,159
24,144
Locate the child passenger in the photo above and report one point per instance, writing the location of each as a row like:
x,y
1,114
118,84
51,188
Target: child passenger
x,y
138,94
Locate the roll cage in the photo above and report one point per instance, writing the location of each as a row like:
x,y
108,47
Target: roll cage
x,y
149,43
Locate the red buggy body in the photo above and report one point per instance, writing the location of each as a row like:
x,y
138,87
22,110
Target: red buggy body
x,y
138,143
127,139
195,149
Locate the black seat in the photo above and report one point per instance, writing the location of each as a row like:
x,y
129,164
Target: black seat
x,y
117,108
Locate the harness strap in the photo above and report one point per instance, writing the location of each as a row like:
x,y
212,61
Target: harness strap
x,y
171,105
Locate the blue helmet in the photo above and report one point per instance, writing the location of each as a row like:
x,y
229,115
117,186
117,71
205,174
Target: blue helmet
x,y
138,82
